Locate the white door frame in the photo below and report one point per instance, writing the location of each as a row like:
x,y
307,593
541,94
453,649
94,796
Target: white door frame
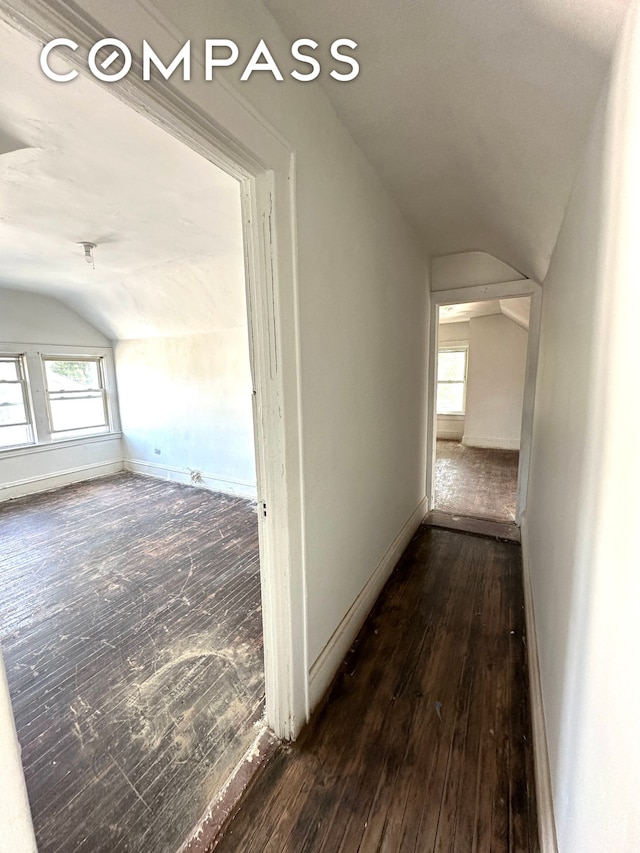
x,y
241,142
480,293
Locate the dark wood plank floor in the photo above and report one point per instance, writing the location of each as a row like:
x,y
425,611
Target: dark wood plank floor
x,y
131,628
424,744
475,481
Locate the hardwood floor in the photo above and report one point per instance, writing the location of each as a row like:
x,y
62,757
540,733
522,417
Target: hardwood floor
x,y
424,744
474,481
132,634
470,524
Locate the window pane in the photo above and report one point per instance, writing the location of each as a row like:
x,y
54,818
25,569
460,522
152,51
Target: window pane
x,y
450,398
11,403
72,375
71,412
451,365
10,436
8,370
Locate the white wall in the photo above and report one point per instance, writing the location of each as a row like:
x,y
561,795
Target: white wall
x,y
357,319
582,517
362,311
451,426
17,833
190,399
29,320
468,269
495,382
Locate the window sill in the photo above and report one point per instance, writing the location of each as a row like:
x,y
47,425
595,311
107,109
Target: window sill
x,y
27,449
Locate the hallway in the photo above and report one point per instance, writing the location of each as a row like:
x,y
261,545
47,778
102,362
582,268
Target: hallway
x,y
424,743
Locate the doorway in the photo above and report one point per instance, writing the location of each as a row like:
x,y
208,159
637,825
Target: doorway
x,y
262,165
131,606
482,385
482,354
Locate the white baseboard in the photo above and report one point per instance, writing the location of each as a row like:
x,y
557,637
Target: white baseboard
x,y
544,793
449,435
45,482
183,475
328,661
491,443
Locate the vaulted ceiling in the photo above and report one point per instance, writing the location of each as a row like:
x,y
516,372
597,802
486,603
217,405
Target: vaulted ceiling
x,y
83,166
473,112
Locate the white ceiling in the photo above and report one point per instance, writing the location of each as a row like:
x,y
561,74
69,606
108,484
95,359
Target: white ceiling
x,y
516,308
472,111
82,166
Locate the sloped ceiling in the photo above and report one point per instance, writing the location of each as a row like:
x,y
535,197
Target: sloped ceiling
x,y
76,164
515,308
473,112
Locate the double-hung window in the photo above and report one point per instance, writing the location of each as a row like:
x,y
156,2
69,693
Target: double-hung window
x,y
452,378
76,396
15,412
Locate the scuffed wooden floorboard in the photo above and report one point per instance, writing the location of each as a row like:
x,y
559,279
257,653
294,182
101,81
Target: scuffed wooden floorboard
x,y
131,628
424,743
475,481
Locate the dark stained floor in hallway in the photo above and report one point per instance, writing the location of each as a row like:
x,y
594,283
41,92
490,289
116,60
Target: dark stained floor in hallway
x,y
425,742
475,481
131,628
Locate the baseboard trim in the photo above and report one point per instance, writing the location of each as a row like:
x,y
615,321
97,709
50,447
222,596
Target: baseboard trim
x,y
209,830
491,443
328,661
544,794
227,486
46,482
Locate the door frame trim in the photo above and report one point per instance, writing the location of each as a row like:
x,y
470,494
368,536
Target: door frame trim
x,y
480,293
242,143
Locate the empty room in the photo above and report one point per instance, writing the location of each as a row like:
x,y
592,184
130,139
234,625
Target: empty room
x,y
130,583
481,369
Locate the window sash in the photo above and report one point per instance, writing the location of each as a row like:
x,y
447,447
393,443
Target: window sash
x,y
453,382
91,392
20,382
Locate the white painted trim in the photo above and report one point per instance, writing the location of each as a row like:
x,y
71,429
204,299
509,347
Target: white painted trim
x,y
480,293
233,136
17,834
491,443
544,793
483,292
328,661
45,482
29,449
211,482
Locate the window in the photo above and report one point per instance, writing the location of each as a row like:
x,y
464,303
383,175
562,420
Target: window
x,y
76,396
15,412
452,377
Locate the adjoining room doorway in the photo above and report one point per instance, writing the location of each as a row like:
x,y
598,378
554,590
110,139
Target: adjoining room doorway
x,y
283,612
482,386
482,354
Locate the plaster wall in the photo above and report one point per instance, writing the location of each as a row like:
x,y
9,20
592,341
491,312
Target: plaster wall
x,y
495,382
362,309
17,833
467,269
185,405
28,321
582,517
31,318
